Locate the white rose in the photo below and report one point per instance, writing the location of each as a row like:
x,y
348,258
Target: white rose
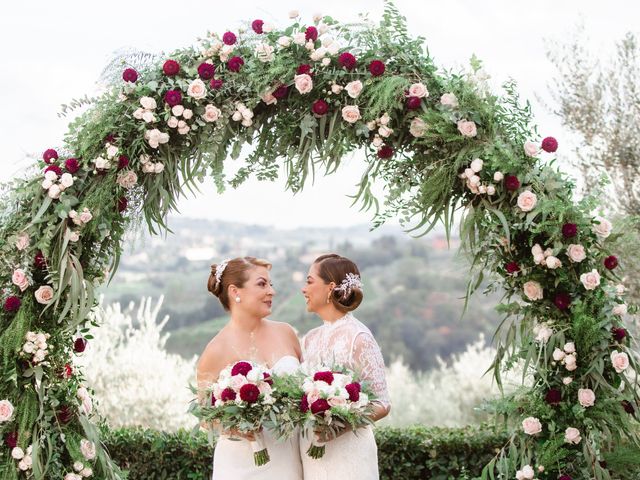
x,y
336,89
570,362
620,289
603,228
467,128
184,130
317,55
527,201
88,449
177,110
172,122
377,141
148,103
576,253
449,100
138,113
31,336
531,149
334,48
66,180
304,83
474,180
197,89
590,280
533,290
543,333
354,88
526,473
418,127
158,167
572,435
73,236
531,426
22,465
246,122
620,361
187,114
476,165
264,52
491,190
211,113
102,163
23,240
54,191
78,466
17,453
586,397
112,151
267,27
148,117
558,354
237,116
28,347
567,380
569,347
351,113
294,14
284,41
620,309
384,131
86,472
418,90
127,179
498,176
299,38
85,216
553,262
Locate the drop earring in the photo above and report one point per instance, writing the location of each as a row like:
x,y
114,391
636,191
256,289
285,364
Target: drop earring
x,y
329,298
237,299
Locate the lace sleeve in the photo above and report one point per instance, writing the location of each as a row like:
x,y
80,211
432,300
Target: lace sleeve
x,y
368,360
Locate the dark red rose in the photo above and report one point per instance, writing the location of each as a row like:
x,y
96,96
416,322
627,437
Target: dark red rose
x,y
385,152
562,300
376,68
512,267
628,407
303,69
569,230
64,414
619,334
281,92
173,97
550,144
319,406
72,165
206,70
511,182
320,107
213,399
49,156
354,391
11,439
564,477
228,394
53,168
216,83
39,260
304,404
249,393
235,64
311,34
171,68
257,26
123,162
413,103
267,378
79,345
229,38
553,396
130,75
12,304
241,368
326,377
347,61
111,138
122,204
611,262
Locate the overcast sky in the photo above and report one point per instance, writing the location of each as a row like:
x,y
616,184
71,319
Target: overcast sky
x,y
55,51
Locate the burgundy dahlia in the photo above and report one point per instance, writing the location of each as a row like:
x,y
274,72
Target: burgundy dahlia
x,y
267,378
122,204
249,393
206,70
376,68
511,182
281,92
304,69
229,38
619,334
385,152
347,60
235,63
130,75
311,34
304,404
173,97
550,144
64,414
53,168
564,477
72,165
39,261
171,68
512,267
413,103
216,83
562,300
49,156
11,439
320,107
569,230
611,262
326,377
79,345
257,26
241,368
319,406
553,396
12,304
354,391
628,407
228,394
213,399
123,162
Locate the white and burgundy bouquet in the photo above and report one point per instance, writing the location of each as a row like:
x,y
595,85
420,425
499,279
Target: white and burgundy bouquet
x,y
241,400
332,400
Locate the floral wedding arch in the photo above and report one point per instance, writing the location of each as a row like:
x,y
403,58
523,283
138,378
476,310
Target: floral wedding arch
x,y
303,97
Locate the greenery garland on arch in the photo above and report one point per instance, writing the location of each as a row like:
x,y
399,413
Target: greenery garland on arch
x,y
303,97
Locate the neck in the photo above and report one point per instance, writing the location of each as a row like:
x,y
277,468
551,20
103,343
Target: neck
x,y
330,313
245,322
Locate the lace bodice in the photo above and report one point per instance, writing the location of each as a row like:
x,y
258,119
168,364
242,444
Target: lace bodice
x,y
348,342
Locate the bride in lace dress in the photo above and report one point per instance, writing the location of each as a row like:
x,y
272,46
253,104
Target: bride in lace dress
x,y
244,288
332,291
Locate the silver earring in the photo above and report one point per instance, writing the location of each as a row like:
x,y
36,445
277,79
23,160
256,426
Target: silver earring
x,y
237,299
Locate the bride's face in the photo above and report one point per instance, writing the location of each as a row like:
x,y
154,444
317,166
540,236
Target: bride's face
x,y
315,291
256,296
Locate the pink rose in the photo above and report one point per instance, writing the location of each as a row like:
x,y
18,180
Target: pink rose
x,y
527,201
590,280
268,98
354,88
533,290
351,113
542,332
337,401
23,241
211,113
530,149
531,426
85,216
572,435
88,449
620,309
6,411
602,228
526,473
467,128
558,354
586,397
553,262
197,89
576,253
127,179
418,90
19,279
44,294
304,83
418,127
620,361
449,100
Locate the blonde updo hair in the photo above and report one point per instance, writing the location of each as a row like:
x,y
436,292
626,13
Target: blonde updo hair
x,y
334,268
236,273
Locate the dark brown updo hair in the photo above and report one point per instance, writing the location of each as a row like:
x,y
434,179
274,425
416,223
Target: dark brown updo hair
x,y
334,268
236,273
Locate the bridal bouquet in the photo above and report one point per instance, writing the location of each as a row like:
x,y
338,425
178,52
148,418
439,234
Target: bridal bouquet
x,y
332,400
241,400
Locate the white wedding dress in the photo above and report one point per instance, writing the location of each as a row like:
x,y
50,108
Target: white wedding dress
x,y
233,459
346,342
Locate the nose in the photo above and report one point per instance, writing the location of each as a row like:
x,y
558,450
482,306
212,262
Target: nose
x,y
272,291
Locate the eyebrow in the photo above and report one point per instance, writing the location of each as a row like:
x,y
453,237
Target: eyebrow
x,y
261,278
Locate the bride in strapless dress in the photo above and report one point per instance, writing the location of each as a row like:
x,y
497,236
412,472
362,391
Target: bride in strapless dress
x,y
244,289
